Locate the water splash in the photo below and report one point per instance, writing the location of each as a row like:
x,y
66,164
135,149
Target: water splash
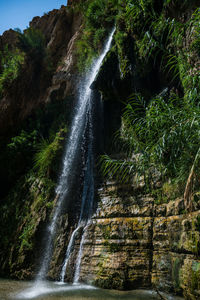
x,y
47,289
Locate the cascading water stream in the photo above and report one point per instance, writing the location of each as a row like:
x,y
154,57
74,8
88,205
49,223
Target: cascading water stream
x,y
87,196
68,253
79,257
88,187
86,204
73,146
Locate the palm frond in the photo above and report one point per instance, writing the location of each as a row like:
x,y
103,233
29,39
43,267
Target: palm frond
x,y
120,170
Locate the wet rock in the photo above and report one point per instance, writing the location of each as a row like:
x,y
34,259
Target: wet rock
x,y
132,243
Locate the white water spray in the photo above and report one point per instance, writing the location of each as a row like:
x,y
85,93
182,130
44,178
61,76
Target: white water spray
x,y
68,253
88,187
79,257
72,147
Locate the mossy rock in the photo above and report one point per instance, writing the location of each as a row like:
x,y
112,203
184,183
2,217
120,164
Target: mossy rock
x,y
115,280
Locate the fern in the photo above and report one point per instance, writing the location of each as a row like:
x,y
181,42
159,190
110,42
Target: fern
x,y
47,152
121,170
162,137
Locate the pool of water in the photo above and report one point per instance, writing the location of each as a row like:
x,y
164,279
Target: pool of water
x,y
24,290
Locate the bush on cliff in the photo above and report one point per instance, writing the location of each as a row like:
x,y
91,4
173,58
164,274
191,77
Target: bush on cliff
x,y
99,17
11,63
163,137
32,42
46,157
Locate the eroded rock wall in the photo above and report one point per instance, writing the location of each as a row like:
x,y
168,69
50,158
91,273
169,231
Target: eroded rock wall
x,y
36,87
40,103
133,243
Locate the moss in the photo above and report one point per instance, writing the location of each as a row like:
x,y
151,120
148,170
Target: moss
x,y
103,258
176,268
106,230
111,281
114,247
25,238
111,246
197,223
190,241
195,276
124,63
45,196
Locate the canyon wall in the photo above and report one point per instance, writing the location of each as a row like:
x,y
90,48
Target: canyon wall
x,y
133,239
132,242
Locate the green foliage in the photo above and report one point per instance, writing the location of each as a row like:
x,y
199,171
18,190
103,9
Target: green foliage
x,y
99,16
176,267
137,14
120,40
99,36
85,52
16,157
95,13
169,191
11,63
160,137
25,237
13,210
181,4
47,153
121,170
39,200
32,42
23,142
195,276
100,13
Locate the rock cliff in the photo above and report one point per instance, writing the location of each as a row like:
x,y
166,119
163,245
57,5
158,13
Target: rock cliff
x,y
135,238
60,29
133,242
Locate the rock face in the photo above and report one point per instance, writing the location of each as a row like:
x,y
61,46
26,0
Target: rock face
x,y
38,93
130,242
133,243
32,90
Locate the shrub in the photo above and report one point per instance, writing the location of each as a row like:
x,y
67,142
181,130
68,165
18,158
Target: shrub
x,y
32,42
99,17
47,153
24,142
160,137
11,63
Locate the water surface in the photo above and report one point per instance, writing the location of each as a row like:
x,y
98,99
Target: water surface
x,y
20,290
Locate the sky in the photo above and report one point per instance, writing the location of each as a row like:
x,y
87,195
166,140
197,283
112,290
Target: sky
x,y
18,13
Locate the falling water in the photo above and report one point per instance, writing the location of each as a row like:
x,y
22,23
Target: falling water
x,y
88,187
72,148
79,257
87,198
68,253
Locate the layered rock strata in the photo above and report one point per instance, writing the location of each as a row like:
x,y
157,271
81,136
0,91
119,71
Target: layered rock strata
x,y
133,243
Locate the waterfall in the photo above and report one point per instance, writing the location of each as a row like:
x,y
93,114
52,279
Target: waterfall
x,y
82,121
87,197
68,253
79,257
